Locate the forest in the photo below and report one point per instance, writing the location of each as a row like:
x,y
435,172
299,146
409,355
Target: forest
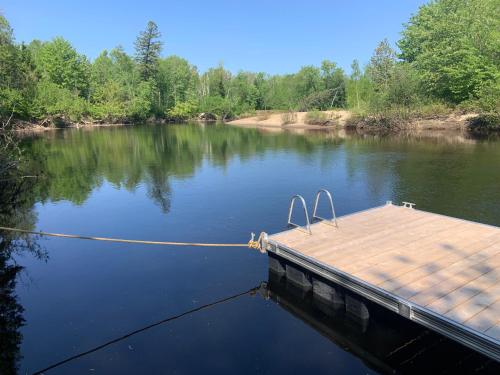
x,y
447,58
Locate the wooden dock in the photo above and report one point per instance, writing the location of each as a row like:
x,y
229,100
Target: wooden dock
x,y
439,271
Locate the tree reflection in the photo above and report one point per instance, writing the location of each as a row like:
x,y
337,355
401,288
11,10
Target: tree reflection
x,y
16,210
76,162
11,316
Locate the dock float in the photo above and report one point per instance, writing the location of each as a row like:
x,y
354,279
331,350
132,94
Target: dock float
x,y
439,271
387,343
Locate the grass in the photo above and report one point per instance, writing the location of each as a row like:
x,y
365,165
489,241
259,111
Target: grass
x,y
289,117
321,118
250,113
433,110
316,118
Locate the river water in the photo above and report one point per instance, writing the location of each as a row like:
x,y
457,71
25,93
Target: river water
x,y
217,184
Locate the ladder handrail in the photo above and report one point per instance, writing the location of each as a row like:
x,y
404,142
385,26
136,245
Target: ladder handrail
x,y
292,202
316,201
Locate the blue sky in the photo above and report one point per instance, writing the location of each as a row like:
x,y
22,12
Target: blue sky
x,y
269,36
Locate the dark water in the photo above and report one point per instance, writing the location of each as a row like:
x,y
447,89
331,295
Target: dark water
x,y
218,184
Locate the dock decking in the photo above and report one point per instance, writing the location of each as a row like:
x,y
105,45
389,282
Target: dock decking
x,y
440,271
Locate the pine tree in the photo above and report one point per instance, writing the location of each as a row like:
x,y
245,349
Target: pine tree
x,y
147,50
382,64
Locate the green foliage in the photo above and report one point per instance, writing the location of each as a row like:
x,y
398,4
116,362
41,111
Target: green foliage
x,y
183,111
58,62
215,82
147,50
114,87
142,103
454,44
55,101
380,69
244,90
485,122
359,89
488,97
404,86
176,80
307,81
387,86
334,82
6,33
16,75
310,88
110,102
221,107
449,54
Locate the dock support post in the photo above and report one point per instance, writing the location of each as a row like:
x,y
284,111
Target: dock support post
x,y
327,293
356,307
276,265
298,277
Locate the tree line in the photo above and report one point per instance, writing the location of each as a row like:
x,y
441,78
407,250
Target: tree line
x,y
448,55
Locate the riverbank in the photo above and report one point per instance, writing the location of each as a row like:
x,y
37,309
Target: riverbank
x,y
28,127
294,120
314,120
347,119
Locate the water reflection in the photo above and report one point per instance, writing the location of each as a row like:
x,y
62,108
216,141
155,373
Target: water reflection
x,y
11,318
386,342
208,184
16,210
74,163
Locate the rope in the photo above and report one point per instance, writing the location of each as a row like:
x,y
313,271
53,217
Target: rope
x,y
163,321
252,244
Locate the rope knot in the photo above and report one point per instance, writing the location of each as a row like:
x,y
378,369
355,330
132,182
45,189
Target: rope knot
x,y
257,244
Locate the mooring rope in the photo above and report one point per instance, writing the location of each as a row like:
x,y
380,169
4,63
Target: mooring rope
x,y
252,243
163,321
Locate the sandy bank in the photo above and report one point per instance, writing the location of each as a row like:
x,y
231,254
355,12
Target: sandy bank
x,y
340,118
274,120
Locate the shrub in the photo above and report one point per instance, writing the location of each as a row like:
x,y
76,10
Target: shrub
x,y
485,122
111,112
404,87
12,102
488,98
389,119
289,117
142,103
433,110
221,107
183,111
246,113
53,100
316,118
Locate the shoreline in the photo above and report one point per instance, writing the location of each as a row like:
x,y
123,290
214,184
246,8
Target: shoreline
x,y
337,120
333,120
346,120
33,127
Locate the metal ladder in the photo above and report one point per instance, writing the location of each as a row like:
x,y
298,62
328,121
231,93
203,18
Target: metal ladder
x,y
307,229
290,210
333,220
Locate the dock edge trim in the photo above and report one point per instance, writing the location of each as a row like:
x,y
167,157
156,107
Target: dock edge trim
x,y
425,317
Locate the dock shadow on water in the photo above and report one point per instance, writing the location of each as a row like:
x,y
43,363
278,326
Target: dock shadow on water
x,y
60,297
384,341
